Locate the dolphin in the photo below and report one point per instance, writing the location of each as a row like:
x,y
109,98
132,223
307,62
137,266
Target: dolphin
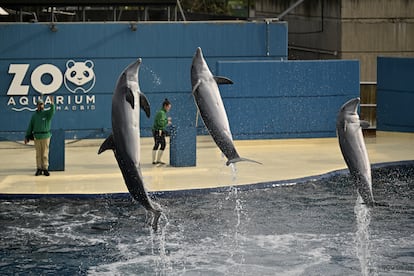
x,y
210,105
125,137
351,142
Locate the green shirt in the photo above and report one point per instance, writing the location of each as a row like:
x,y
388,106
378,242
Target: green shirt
x,y
40,123
160,121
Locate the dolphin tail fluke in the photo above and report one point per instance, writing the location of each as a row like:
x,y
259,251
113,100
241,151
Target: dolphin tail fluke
x,y
107,144
376,204
382,204
155,217
239,159
379,204
154,210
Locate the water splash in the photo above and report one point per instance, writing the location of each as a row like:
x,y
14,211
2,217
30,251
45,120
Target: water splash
x,y
162,264
234,177
236,239
362,237
156,80
233,194
224,173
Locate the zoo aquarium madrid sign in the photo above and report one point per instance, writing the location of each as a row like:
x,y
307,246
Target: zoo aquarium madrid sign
x,y
78,78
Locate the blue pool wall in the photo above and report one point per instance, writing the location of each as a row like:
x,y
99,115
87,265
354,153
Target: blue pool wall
x,y
395,94
287,99
271,97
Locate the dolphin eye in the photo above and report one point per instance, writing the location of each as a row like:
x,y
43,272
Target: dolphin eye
x,y
86,73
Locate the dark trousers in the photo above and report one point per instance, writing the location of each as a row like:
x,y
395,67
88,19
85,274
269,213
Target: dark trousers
x,y
159,139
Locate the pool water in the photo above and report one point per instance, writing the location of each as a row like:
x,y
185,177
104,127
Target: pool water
x,y
309,228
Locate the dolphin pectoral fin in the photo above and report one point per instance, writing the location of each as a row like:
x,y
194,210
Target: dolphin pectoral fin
x,y
144,104
364,124
129,96
222,80
196,86
197,116
107,144
235,160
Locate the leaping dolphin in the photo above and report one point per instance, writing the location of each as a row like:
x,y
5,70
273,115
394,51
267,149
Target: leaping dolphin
x,y
125,137
208,100
351,142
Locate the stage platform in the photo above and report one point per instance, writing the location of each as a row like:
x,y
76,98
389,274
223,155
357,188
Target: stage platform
x,y
284,161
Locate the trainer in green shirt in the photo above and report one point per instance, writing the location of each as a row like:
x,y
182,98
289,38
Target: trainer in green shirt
x,y
39,131
158,132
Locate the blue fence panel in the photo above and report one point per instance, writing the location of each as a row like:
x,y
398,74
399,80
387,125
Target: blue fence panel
x,y
395,94
271,99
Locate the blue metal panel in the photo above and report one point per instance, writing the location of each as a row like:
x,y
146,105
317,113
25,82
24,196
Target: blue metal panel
x,y
289,78
395,94
166,49
102,40
271,99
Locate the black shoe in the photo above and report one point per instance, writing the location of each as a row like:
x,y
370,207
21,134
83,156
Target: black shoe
x,y
38,172
154,163
46,172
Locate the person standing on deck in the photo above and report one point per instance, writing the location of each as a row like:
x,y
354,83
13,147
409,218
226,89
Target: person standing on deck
x,y
39,131
158,131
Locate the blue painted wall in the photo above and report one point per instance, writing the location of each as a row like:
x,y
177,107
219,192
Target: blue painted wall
x,y
287,99
166,50
395,94
270,98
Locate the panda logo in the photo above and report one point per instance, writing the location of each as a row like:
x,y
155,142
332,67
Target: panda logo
x,y
79,76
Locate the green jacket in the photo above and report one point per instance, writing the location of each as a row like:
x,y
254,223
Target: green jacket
x,y
160,121
40,123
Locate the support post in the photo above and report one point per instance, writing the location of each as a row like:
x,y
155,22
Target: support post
x,y
183,146
57,150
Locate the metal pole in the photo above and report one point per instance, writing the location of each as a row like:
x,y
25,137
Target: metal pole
x,y
289,9
181,10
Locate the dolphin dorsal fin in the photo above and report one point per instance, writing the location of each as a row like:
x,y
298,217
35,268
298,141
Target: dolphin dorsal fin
x,y
143,102
129,96
107,144
222,80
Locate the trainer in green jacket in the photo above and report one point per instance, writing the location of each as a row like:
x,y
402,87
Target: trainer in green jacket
x,y
158,132
39,131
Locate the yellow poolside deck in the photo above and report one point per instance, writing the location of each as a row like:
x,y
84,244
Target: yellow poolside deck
x,y
283,159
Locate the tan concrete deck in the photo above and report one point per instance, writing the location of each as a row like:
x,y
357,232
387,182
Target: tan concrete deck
x,y
283,159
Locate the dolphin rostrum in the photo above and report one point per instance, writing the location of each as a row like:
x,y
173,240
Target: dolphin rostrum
x,y
351,142
210,105
125,138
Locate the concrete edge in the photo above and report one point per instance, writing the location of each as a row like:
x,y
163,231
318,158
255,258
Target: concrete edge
x,y
189,192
